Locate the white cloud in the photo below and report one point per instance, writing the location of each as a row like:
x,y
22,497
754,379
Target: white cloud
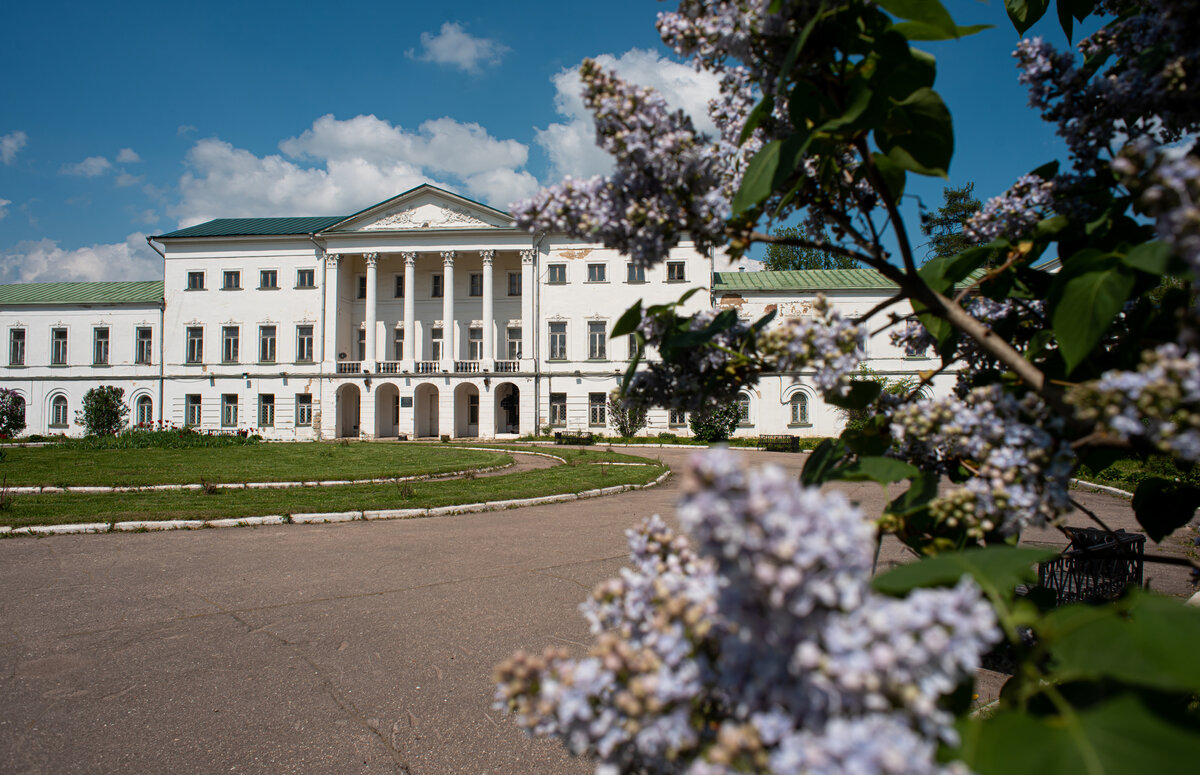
x,y
342,166
4,203
128,156
44,261
455,47
10,144
90,167
124,179
184,129
571,145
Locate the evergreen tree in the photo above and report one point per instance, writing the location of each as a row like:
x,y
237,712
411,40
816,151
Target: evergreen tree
x,y
794,257
944,228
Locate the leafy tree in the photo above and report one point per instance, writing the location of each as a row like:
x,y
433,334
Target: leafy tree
x,y
944,228
12,413
785,255
714,423
104,410
626,418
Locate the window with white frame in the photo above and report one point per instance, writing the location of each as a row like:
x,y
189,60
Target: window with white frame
x,y
436,289
676,418
58,347
143,345
231,280
799,406
596,406
361,344
556,274
558,409
20,408
304,409
266,410
100,346
743,405
398,344
513,343
435,344
58,412
558,341
195,281
633,346
596,340
16,347
597,273
675,271
636,273
268,279
144,410
191,409
398,290
474,344
194,338
304,343
266,344
230,344
475,284
306,278
514,283
229,410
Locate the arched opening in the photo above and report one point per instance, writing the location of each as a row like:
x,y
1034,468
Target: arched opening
x,y
466,410
143,410
425,410
387,411
508,408
347,411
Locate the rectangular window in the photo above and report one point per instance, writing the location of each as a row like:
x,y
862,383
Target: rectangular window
x,y
58,412
558,341
676,418
556,274
268,279
16,347
306,278
229,402
266,410
399,288
597,273
266,344
435,344
362,287
596,404
303,409
362,344
191,409
513,343
637,273
195,281
230,344
99,346
435,286
475,343
144,346
558,409
675,271
633,346
58,347
304,344
195,345
398,344
231,280
473,409
514,283
596,339
476,284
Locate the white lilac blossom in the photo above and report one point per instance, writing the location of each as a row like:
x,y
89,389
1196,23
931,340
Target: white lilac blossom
x,y
1020,469
1159,403
666,183
764,644
1013,213
826,342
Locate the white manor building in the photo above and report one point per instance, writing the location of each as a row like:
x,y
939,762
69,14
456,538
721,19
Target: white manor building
x,y
426,315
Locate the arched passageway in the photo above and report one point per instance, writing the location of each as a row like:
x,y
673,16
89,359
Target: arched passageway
x,y
425,411
508,408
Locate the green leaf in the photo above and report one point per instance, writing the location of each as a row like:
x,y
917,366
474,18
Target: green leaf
x,y
923,31
919,134
628,322
1150,257
1025,13
1162,506
769,169
1149,640
875,469
1085,298
1047,170
1065,20
922,490
1118,736
928,12
997,568
822,460
861,394
893,176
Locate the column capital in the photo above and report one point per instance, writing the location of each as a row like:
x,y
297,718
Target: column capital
x,y
371,258
487,256
332,259
527,256
409,256
448,257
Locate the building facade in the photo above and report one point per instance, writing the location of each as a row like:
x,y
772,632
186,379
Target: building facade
x,y
426,315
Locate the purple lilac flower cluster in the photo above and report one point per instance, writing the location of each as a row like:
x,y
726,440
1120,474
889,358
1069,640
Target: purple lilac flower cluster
x,y
667,180
1158,403
1168,188
764,644
827,342
1013,213
1020,470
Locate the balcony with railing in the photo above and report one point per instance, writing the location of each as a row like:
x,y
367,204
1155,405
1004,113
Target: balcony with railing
x,y
508,367
349,367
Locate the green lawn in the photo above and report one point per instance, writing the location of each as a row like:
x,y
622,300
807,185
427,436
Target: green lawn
x,y
303,461
584,471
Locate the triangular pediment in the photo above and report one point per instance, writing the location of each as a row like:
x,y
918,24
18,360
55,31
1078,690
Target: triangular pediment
x,y
425,208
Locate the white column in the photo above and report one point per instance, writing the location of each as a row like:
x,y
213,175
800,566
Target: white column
x,y
410,326
369,318
330,332
527,321
449,342
489,350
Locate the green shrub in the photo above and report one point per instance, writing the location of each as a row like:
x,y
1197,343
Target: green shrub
x,y
714,423
12,413
628,420
164,436
104,410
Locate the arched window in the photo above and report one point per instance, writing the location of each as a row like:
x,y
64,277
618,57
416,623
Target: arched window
x,y
145,410
20,408
743,404
58,412
799,403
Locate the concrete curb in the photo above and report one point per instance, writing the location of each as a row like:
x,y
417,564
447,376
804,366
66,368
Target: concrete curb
x,y
1101,488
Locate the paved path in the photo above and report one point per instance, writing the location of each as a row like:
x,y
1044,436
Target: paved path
x,y
352,648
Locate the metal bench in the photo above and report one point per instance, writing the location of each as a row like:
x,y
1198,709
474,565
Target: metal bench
x,y
1096,566
573,437
779,443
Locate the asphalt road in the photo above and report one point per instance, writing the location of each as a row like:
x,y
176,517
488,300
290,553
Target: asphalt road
x,y
348,648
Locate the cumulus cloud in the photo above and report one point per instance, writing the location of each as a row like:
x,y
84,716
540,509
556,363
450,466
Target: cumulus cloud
x,y
571,144
90,167
128,156
44,261
4,203
342,166
124,179
455,47
10,144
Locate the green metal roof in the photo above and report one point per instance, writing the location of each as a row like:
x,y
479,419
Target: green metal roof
x,y
252,227
802,280
146,291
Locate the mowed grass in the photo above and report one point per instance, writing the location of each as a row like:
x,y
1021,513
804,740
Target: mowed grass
x,y
302,461
585,470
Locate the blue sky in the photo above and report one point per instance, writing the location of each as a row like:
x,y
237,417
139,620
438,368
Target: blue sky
x,y
135,118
